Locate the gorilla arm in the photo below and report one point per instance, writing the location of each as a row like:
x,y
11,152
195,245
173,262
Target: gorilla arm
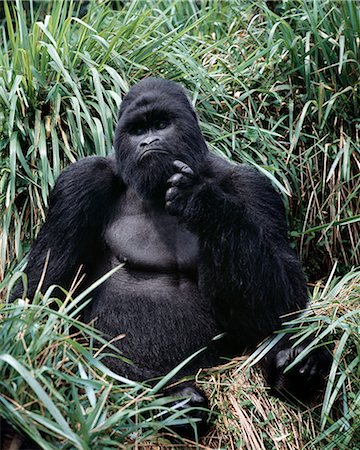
x,y
246,266
71,235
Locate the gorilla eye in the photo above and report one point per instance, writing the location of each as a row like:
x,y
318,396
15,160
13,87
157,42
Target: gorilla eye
x,y
161,124
138,129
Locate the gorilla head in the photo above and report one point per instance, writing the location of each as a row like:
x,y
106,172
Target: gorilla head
x,y
156,126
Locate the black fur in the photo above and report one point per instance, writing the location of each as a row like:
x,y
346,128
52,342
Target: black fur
x,y
204,243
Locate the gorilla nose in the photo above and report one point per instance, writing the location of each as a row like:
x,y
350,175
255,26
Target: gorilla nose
x,y
149,141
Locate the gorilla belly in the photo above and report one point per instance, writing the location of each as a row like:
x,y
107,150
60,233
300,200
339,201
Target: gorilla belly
x,y
162,317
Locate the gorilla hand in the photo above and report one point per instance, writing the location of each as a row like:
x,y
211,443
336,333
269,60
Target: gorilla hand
x,y
181,188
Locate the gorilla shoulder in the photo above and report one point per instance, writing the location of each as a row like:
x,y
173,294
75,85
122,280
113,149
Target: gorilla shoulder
x,y
93,173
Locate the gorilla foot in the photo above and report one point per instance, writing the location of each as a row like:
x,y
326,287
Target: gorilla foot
x,y
305,379
192,397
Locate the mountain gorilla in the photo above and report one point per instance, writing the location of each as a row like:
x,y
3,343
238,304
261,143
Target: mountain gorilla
x,y
203,241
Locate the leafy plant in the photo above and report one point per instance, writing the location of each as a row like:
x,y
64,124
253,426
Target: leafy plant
x,y
276,85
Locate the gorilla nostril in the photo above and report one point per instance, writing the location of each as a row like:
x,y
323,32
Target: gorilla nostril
x,y
149,141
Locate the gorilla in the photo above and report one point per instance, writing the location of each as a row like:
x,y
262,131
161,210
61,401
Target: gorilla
x,y
203,242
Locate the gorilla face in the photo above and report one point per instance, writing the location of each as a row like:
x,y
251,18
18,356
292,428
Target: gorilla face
x,y
156,126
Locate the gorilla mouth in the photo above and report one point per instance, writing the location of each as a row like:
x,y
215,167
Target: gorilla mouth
x,y
152,151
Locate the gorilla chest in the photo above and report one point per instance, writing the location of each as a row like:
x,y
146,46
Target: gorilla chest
x,y
151,240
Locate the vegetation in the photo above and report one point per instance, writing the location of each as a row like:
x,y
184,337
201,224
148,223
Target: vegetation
x,y
276,85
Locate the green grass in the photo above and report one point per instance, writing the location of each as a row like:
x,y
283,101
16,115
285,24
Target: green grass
x,y
277,88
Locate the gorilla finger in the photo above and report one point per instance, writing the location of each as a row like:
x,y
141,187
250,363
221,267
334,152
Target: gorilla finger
x,y
304,370
175,179
171,194
183,168
173,207
315,370
282,359
309,368
180,180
